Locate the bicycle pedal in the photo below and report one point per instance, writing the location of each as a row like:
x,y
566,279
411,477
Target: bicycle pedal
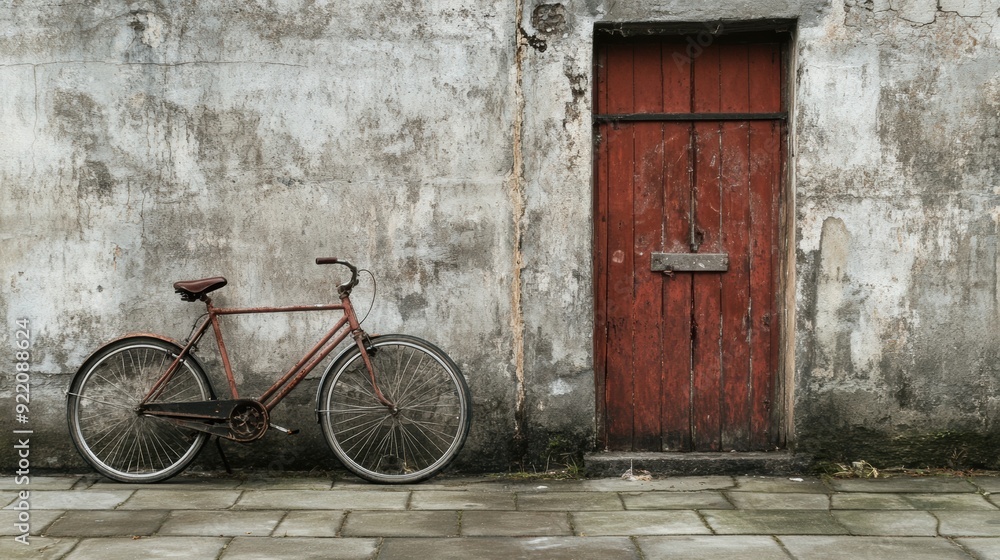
x,y
283,430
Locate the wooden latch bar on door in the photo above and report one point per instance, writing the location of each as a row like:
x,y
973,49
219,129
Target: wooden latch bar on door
x,y
668,263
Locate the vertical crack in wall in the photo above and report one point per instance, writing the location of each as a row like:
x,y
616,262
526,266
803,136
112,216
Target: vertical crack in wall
x,y
34,124
515,188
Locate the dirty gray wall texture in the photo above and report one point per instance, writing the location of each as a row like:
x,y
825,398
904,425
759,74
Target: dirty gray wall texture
x,y
897,210
446,146
149,142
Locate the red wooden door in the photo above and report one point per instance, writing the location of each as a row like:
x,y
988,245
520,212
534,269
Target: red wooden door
x,y
689,161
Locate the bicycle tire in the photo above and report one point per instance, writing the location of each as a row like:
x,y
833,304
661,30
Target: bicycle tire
x,y
101,412
434,411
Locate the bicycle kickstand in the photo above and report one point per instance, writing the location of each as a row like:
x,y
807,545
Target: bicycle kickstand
x,y
222,455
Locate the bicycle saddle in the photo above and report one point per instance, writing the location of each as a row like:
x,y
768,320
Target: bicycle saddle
x,y
193,290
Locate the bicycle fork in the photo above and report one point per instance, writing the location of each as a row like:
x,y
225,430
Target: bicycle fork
x,y
359,338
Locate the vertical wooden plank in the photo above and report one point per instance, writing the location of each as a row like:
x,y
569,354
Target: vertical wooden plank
x,y
600,212
765,77
706,316
764,147
735,233
765,179
647,209
677,185
676,78
620,258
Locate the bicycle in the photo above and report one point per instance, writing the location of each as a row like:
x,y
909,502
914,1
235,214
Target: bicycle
x,y
393,408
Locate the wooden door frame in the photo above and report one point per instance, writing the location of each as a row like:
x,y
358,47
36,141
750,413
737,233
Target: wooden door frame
x,y
697,33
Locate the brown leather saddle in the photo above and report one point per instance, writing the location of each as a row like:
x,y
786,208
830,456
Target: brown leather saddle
x,y
194,290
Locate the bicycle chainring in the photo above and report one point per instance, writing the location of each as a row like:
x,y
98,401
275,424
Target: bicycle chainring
x,y
248,421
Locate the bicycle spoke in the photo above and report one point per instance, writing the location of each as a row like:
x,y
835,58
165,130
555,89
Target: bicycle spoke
x,y
418,445
424,430
105,403
116,439
360,430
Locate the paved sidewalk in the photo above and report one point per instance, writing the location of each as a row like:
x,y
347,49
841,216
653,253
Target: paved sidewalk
x,y
86,517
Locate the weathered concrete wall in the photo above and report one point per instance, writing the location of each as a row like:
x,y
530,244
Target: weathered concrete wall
x,y
149,142
898,192
447,147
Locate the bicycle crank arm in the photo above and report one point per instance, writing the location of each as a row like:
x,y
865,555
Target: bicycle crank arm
x,y
241,420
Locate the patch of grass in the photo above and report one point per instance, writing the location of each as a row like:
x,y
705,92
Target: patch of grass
x,y
572,472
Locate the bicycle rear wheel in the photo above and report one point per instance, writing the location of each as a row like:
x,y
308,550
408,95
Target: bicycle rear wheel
x,y
429,426
101,410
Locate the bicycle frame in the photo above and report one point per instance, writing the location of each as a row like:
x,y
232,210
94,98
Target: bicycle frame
x,y
141,407
290,379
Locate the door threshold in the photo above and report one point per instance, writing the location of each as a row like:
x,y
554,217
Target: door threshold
x,y
671,463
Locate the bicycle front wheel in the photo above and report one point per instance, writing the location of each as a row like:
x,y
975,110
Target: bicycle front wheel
x,y
425,432
102,403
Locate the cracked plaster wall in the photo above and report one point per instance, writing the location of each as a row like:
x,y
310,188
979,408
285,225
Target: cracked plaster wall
x,y
447,147
149,142
897,197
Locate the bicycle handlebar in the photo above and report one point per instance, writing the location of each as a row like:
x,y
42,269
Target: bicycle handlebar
x,y
348,286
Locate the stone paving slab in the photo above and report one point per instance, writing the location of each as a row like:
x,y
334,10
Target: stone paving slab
x,y
778,500
675,500
401,524
869,500
221,523
88,523
987,547
872,548
38,521
569,501
796,485
330,499
318,523
773,522
515,524
711,547
288,484
153,547
95,482
77,499
444,481
888,523
942,501
986,483
462,500
182,499
968,523
670,484
300,548
40,483
612,523
38,548
8,497
900,485
530,548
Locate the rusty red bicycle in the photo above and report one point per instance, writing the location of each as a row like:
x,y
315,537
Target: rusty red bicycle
x,y
393,408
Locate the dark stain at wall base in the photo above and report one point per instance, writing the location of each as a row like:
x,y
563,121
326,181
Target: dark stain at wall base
x,y
952,449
